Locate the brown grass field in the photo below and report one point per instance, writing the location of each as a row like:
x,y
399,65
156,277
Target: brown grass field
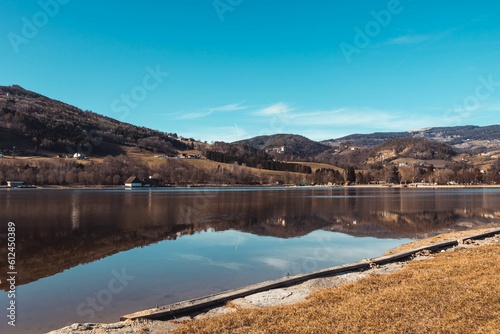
x,y
204,164
317,165
149,159
436,239
452,292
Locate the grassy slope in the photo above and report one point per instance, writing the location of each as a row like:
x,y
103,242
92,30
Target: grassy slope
x,y
150,159
455,292
317,165
204,164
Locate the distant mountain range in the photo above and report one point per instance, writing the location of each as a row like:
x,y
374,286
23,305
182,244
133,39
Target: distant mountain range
x,y
35,124
460,137
455,136
443,144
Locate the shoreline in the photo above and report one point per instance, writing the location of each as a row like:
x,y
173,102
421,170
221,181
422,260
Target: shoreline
x,y
369,186
294,292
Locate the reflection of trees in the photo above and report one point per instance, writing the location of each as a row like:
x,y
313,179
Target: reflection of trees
x,y
54,250
56,231
414,223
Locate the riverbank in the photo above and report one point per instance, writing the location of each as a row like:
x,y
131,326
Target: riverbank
x,y
374,186
444,278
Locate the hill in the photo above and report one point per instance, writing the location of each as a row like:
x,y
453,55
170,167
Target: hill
x,y
36,124
33,125
246,155
286,146
371,139
388,151
414,148
465,138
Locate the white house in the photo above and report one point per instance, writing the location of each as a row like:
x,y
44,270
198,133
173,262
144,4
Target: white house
x,y
14,184
133,182
79,156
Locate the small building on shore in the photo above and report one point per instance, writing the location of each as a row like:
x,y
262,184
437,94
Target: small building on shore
x,y
15,184
133,182
79,156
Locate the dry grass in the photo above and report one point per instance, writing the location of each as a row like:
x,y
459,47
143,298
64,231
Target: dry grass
x,y
208,165
151,161
436,239
455,292
316,165
211,165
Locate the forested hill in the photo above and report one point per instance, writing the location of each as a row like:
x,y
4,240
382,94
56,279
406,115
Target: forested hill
x,y
416,148
34,123
251,157
286,146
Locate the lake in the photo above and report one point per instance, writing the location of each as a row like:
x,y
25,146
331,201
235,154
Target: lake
x,y
94,255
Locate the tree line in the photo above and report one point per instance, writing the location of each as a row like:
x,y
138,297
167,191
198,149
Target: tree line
x,y
260,161
114,170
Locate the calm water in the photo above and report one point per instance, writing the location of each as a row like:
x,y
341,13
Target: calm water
x,y
94,255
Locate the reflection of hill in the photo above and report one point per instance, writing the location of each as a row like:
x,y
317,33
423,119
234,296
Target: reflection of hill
x,y
414,225
61,230
287,226
56,252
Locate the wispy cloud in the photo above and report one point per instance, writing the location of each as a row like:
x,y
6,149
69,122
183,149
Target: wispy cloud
x,y
346,117
227,134
191,115
210,262
230,107
409,39
208,111
275,262
492,108
274,109
333,117
323,124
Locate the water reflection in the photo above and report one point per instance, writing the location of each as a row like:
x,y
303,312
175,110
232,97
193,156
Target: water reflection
x,y
75,213
57,230
224,238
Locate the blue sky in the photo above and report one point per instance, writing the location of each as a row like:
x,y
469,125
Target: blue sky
x,y
234,69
